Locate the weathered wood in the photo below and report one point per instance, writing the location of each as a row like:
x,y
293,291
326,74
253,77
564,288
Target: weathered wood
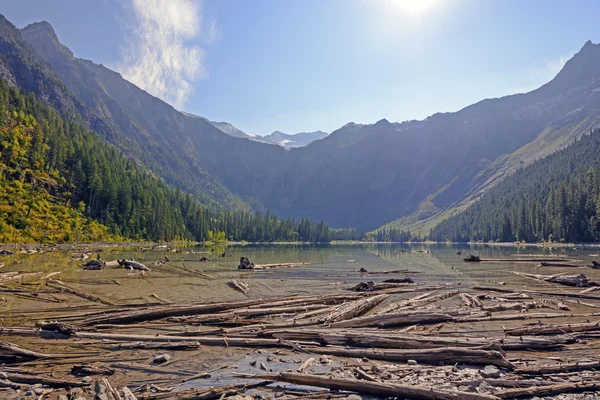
x,y
79,293
132,264
372,388
305,364
569,280
471,301
52,382
354,308
418,301
392,340
536,391
522,316
557,368
556,329
164,311
157,346
279,265
12,350
401,318
430,356
240,286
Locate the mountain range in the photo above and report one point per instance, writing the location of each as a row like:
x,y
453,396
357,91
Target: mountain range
x,y
408,175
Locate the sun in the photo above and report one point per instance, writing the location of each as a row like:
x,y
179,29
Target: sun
x,y
414,7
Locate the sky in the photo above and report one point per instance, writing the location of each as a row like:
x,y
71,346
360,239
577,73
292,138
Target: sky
x,y
307,65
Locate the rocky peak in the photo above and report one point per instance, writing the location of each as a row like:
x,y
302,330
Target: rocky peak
x,y
46,40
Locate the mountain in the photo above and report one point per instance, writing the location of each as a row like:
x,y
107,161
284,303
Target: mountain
x,y
278,138
362,176
296,140
554,199
154,133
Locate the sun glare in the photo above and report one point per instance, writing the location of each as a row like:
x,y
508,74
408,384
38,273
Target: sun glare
x,y
414,7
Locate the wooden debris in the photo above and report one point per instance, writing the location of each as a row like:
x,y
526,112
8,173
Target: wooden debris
x,y
132,264
536,391
240,286
79,293
569,280
372,388
553,329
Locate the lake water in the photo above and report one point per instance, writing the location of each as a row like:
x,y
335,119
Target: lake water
x,y
329,268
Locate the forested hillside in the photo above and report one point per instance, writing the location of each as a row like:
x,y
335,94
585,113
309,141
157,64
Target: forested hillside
x,y
61,182
554,199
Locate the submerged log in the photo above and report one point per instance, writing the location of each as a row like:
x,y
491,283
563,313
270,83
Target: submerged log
x,y
372,388
79,293
280,265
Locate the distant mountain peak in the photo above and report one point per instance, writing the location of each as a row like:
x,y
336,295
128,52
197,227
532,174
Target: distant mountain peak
x,y
43,33
581,69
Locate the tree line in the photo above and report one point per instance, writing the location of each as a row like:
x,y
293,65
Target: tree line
x,y
78,169
555,199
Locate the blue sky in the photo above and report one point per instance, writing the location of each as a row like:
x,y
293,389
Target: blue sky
x,y
305,65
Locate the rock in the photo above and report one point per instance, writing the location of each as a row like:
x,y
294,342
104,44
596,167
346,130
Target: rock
x,y
163,358
263,366
324,360
411,362
86,379
253,363
490,372
63,397
354,397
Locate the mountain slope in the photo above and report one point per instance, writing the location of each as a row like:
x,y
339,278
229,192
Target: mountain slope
x,y
555,199
360,175
159,136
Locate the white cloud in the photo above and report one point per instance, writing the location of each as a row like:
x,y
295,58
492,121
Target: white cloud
x,y
157,55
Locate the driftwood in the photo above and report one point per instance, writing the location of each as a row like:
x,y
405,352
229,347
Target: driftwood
x,y
79,293
402,318
354,308
240,286
372,388
305,364
164,311
371,286
34,379
558,368
536,391
132,264
12,351
569,280
434,356
280,265
86,370
554,329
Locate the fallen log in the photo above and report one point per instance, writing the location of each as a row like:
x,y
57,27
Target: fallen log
x,y
279,265
203,340
132,264
557,368
554,329
164,311
35,379
434,356
157,346
522,316
536,391
471,301
240,286
371,286
354,308
569,280
66,289
403,318
372,388
13,351
418,301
